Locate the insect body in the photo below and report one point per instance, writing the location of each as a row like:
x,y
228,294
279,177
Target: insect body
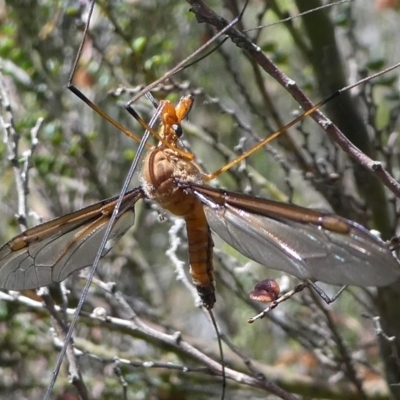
x,y
308,244
164,171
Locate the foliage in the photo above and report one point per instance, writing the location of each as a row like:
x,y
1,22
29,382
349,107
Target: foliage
x,y
303,346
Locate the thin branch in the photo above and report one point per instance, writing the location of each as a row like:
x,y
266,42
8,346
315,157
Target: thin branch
x,y
206,14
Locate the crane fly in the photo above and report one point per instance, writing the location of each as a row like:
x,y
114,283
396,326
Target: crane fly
x,y
309,244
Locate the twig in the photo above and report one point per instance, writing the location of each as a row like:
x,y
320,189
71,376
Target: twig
x,y
11,139
275,303
206,14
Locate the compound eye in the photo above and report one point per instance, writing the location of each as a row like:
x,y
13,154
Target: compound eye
x,y
177,129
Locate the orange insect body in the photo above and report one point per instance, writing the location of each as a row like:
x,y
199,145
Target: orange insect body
x,y
163,169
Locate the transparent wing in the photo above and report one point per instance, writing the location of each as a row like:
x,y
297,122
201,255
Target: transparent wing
x,y
305,243
51,251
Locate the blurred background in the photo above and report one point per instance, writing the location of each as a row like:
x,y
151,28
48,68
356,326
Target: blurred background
x,y
306,348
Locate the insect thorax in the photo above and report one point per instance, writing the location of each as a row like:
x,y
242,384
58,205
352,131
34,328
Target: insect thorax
x,y
163,171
